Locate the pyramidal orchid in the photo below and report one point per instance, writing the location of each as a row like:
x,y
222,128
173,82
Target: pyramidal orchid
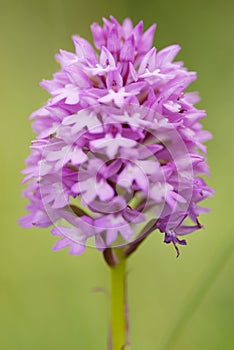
x,y
119,152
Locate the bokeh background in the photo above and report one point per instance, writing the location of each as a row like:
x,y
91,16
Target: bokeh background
x,y
56,301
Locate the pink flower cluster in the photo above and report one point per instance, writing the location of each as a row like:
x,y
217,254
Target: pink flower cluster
x,y
119,144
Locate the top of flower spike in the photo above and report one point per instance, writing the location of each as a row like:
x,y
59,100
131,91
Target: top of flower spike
x,y
118,126
127,70
121,39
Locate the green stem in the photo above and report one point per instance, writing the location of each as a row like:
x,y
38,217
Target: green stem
x,y
118,302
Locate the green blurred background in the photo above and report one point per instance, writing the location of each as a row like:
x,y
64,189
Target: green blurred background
x,y
48,300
